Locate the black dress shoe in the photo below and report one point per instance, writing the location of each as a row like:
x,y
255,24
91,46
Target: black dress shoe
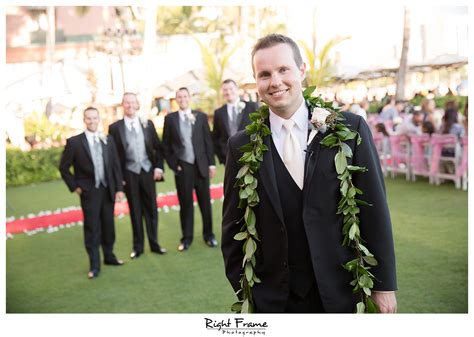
x,y
92,274
160,251
115,262
183,246
211,242
135,255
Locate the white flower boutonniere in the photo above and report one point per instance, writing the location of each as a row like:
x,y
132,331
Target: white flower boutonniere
x,y
103,138
318,122
143,121
240,106
190,117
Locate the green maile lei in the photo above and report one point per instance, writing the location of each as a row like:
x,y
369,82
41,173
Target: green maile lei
x,y
363,279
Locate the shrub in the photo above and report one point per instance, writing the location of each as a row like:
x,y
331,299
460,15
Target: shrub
x,y
28,167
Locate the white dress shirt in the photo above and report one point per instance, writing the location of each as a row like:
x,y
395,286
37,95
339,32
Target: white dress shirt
x,y
300,130
128,123
183,113
90,137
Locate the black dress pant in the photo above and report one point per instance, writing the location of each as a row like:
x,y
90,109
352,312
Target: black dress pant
x,y
141,196
186,180
99,228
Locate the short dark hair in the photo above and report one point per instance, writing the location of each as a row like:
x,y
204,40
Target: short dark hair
x,y
183,88
229,80
90,108
272,40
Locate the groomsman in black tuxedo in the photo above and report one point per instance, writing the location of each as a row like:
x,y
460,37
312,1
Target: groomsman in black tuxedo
x,y
140,153
97,179
188,150
230,118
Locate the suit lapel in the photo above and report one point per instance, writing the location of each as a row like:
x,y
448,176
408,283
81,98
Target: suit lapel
x,y
311,161
85,143
225,118
121,128
105,155
193,125
146,136
176,123
269,180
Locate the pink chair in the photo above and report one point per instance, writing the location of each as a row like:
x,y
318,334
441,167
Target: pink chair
x,y
382,151
462,168
420,156
438,143
400,155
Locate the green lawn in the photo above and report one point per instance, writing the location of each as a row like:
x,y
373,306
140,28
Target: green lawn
x,y
47,272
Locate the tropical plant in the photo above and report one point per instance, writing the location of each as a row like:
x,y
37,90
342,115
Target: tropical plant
x,y
179,20
215,57
321,66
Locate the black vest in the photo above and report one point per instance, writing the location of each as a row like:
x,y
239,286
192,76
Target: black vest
x,y
299,258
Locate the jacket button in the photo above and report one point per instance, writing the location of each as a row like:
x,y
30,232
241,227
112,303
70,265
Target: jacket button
x,y
285,264
282,229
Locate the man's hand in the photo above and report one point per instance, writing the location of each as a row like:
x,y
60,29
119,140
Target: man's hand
x,y
386,301
78,190
212,171
157,174
119,196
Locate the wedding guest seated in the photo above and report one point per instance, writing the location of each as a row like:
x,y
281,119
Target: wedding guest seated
x,y
411,126
427,109
450,125
427,127
380,127
465,120
391,110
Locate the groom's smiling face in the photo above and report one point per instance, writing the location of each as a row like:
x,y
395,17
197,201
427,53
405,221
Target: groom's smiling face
x,y
279,78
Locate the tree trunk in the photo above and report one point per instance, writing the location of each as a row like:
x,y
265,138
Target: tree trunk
x,y
402,71
149,45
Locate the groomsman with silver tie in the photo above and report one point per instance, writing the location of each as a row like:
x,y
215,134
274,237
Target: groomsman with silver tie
x,y
189,152
140,152
97,180
233,116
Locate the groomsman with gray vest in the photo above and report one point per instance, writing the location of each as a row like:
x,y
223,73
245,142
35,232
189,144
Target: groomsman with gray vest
x,y
230,118
189,153
140,152
97,179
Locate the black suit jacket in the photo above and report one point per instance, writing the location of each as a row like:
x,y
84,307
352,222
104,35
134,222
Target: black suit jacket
x,y
322,226
153,144
78,154
220,131
201,139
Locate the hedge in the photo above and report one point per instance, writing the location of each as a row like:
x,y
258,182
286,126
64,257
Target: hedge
x,y
33,166
440,101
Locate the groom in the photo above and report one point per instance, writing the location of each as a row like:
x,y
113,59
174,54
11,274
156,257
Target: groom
x,y
299,255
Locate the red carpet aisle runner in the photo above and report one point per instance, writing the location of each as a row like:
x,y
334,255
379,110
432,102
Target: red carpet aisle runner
x,y
62,218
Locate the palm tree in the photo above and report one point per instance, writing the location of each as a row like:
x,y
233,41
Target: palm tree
x,y
321,67
401,75
215,59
